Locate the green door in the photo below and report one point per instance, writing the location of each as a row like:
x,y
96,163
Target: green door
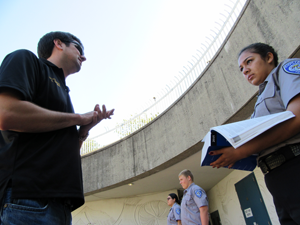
x,y
252,203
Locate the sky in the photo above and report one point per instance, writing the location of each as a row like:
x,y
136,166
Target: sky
x,y
134,48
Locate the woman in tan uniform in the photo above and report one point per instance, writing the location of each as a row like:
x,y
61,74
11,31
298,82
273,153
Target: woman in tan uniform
x,y
279,147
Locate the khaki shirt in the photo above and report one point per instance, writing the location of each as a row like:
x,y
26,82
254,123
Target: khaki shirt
x,y
174,214
194,197
282,84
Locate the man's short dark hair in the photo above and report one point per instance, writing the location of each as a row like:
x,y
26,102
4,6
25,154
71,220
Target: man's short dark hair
x,y
46,44
186,173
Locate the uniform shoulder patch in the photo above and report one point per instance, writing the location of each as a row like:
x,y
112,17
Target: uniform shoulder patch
x,y
178,211
198,193
292,67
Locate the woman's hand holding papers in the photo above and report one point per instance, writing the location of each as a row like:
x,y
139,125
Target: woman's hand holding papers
x,y
229,156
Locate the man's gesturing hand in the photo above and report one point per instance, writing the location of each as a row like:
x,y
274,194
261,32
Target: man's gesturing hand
x,y
103,114
94,118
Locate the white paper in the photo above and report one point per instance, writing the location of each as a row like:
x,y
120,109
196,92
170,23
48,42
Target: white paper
x,y
239,133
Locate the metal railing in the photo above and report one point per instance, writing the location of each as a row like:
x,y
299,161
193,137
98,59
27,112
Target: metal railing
x,y
176,87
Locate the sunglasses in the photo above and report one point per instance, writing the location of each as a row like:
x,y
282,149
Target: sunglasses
x,y
78,46
168,199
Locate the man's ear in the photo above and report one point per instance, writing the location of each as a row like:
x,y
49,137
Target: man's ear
x,y
270,57
58,44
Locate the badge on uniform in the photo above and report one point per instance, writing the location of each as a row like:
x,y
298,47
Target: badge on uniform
x,y
177,211
292,67
198,193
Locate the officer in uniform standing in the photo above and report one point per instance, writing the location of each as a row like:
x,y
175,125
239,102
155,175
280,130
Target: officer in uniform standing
x,y
279,147
194,205
175,211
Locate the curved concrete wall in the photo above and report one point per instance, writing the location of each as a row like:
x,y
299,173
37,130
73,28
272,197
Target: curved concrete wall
x,y
218,96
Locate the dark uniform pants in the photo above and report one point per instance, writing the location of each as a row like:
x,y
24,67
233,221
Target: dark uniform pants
x,y
284,184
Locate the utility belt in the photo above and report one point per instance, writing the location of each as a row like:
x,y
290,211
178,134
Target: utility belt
x,y
276,159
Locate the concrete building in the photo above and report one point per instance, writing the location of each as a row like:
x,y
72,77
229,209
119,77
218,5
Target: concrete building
x,y
152,157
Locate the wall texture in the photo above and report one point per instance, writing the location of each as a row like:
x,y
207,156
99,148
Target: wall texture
x,y
140,210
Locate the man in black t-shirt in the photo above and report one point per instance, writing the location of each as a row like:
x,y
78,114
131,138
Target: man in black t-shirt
x,y
40,163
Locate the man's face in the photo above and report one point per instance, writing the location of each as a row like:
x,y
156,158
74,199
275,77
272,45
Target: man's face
x,y
185,181
75,55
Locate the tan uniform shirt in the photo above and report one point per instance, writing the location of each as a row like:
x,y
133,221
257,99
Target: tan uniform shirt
x,y
194,197
282,84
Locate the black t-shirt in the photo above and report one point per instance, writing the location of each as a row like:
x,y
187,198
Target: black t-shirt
x,y
40,165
